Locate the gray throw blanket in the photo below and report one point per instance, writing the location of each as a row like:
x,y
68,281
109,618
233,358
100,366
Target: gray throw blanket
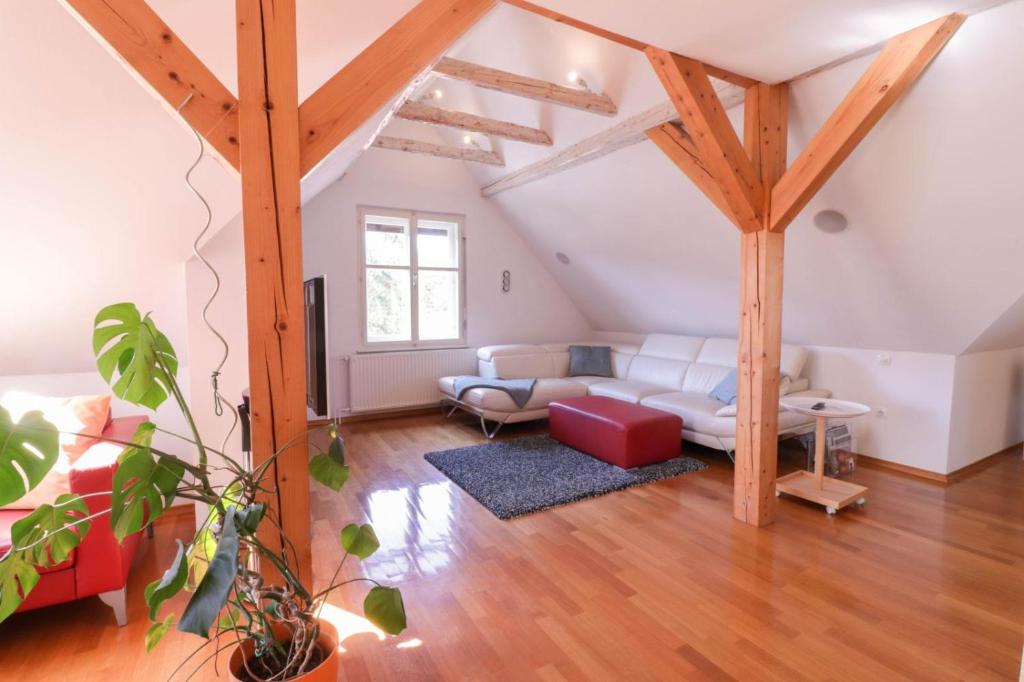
x,y
520,390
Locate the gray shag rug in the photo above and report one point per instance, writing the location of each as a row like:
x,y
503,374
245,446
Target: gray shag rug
x,y
516,477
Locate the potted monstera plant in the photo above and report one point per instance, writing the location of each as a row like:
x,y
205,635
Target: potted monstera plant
x,y
274,628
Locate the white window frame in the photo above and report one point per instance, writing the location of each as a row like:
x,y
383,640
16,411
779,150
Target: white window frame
x,y
367,346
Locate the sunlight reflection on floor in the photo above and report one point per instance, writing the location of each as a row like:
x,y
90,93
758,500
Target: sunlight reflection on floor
x,y
417,516
349,624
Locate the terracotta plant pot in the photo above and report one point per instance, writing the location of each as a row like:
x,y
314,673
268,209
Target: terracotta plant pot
x,y
327,671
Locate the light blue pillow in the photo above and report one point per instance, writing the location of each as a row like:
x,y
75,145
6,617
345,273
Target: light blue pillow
x,y
725,391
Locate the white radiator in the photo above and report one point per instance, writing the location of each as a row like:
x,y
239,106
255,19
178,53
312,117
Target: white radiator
x,y
388,381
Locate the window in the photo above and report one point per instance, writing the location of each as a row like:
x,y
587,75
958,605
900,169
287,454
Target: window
x,y
412,287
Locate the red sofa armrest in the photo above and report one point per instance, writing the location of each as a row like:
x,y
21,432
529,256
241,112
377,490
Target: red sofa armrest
x,y
102,563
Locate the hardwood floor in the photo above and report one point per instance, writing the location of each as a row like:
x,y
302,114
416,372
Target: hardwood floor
x,y
654,583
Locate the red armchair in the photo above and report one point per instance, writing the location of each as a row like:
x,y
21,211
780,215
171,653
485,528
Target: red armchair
x,y
100,565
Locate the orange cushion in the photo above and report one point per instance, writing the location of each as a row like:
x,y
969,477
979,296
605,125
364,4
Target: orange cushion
x,y
81,421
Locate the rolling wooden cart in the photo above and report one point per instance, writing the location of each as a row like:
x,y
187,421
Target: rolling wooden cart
x,y
832,493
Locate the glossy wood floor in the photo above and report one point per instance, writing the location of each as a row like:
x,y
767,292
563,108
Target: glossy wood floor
x,y
653,583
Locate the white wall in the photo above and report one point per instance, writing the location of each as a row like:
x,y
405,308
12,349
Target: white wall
x,y
60,362
914,391
988,405
228,315
535,310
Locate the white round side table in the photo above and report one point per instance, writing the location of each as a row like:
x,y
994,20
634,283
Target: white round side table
x,y
815,486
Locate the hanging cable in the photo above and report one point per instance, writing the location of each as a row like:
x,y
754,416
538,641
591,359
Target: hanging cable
x,y
219,403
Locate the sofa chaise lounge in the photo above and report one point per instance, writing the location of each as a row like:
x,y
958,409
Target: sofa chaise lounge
x,y
667,372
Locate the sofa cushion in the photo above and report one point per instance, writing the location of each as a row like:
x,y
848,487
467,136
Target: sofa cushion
x,y
724,352
662,372
730,410
726,389
698,413
672,346
702,378
85,416
590,361
590,381
544,391
628,391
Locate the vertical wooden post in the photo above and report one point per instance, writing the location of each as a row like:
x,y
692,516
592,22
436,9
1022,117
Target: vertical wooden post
x,y
271,215
760,338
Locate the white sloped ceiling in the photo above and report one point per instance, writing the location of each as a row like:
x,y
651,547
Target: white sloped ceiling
x,y
92,202
932,255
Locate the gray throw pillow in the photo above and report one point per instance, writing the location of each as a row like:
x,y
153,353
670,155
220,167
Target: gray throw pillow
x,y
590,361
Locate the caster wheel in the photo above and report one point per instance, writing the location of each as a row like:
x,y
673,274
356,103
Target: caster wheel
x,y
831,511
862,501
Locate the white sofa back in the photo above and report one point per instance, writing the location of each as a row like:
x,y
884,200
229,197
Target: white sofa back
x,y
664,360
676,362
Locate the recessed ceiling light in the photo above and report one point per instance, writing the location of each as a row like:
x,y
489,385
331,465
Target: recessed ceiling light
x,y
576,79
438,93
562,258
830,221
467,139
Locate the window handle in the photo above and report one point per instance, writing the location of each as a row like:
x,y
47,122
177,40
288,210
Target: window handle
x,y
415,279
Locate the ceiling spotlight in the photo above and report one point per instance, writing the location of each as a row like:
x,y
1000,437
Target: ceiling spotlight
x,y
438,94
468,139
830,221
576,79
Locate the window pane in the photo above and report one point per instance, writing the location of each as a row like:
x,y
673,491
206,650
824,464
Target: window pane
x,y
437,244
387,241
439,305
388,315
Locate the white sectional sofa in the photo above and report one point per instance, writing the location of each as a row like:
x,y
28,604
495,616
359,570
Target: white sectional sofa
x,y
668,372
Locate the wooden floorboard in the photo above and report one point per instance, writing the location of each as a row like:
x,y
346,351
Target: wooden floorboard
x,y
655,583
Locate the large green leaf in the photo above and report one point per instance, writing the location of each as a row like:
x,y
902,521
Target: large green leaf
x,y
384,608
17,578
325,470
144,484
212,593
57,528
359,540
328,468
173,579
28,450
131,345
157,631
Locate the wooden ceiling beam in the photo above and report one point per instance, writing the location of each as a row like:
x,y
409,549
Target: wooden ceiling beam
x,y
473,154
425,113
134,33
714,71
381,72
624,134
576,23
681,150
525,86
703,115
897,67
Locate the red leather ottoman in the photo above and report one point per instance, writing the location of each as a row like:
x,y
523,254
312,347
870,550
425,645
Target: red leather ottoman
x,y
616,432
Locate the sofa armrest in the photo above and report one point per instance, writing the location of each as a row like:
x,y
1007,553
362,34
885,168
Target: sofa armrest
x,y
102,562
